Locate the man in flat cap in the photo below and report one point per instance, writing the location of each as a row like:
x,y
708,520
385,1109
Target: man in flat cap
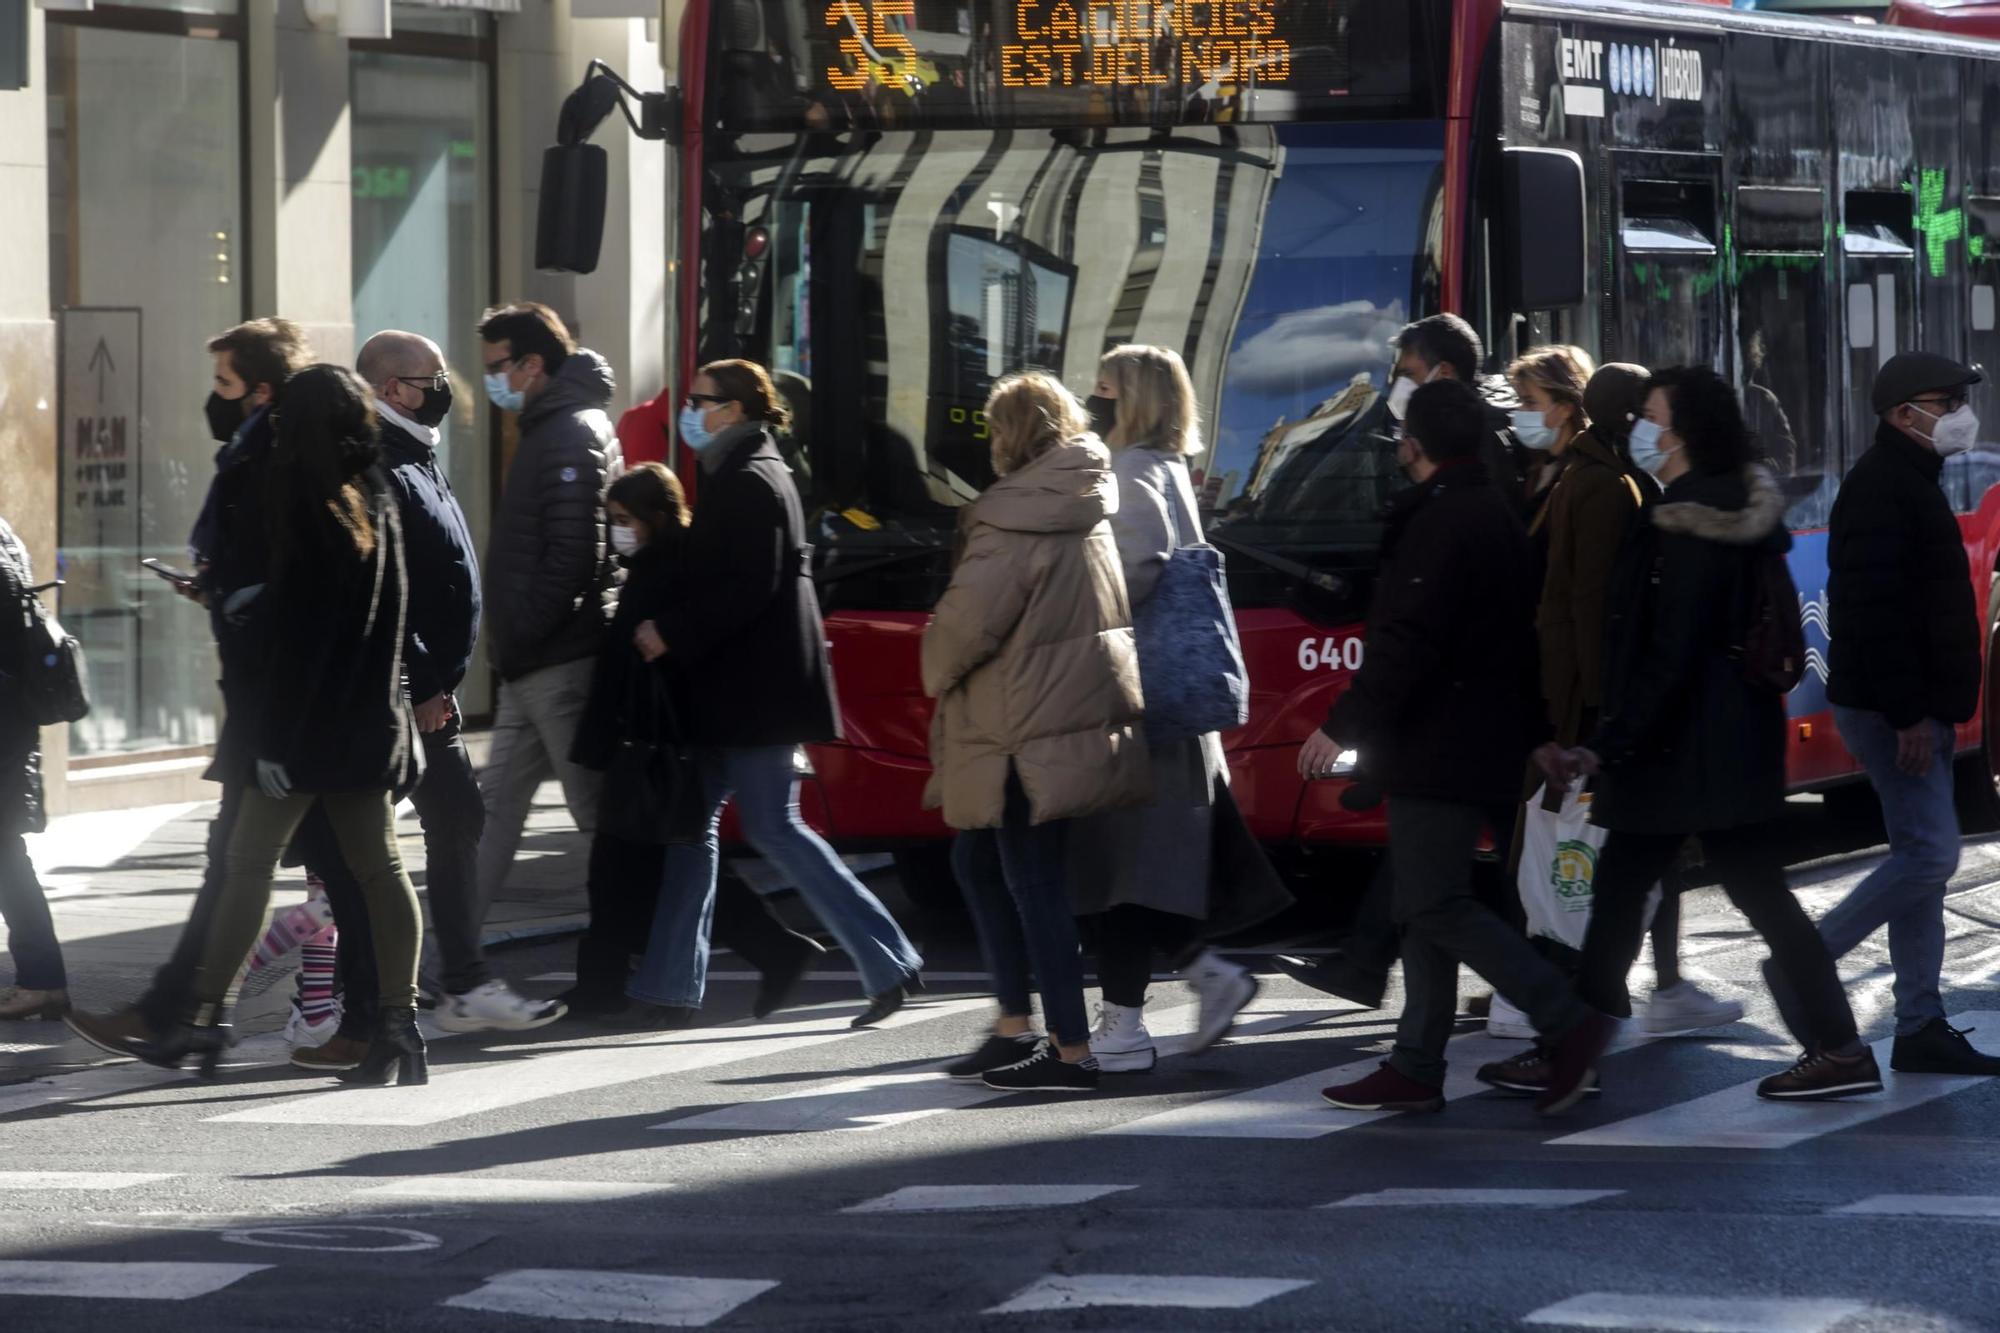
x,y
1904,668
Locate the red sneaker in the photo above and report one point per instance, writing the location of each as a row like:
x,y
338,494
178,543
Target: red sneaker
x,y
1573,1068
1386,1090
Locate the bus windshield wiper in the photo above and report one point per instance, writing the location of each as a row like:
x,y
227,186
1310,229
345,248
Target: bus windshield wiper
x,y
1324,580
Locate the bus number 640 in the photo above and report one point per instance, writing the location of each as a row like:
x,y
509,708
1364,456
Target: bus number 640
x,y
1330,654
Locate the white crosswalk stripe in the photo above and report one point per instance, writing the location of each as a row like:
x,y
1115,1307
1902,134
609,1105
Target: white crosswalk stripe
x,y
1697,1314
1737,1118
631,1298
1473,1198
498,1189
983,1198
111,1281
1923,1205
1154,1291
454,1096
878,1101
79,1180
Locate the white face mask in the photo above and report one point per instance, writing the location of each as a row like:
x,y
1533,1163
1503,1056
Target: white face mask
x,y
1533,430
1954,432
625,541
1644,446
1400,394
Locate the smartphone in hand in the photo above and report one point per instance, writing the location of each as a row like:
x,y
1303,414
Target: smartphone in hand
x,y
179,578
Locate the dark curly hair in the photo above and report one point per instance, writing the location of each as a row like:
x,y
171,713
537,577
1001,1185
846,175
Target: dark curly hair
x,y
1708,416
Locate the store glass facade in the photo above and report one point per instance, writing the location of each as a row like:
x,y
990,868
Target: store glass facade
x,y
422,221
146,235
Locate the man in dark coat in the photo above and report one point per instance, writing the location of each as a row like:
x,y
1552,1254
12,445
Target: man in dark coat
x,y
546,571
406,372
1443,712
40,989
1904,668
231,555
1445,347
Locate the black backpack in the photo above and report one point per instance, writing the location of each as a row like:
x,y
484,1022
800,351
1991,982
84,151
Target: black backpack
x,y
50,669
1772,652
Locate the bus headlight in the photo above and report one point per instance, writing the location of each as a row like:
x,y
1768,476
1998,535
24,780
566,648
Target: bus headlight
x,y
1345,765
802,764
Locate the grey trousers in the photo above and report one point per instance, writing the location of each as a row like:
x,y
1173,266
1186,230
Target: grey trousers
x,y
1430,847
533,728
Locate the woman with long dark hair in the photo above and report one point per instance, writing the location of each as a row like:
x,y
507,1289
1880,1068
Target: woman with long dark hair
x,y
329,719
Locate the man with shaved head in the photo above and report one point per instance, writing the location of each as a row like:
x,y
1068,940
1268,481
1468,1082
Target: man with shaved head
x,y
412,390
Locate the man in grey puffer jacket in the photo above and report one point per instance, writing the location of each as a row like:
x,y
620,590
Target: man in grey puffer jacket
x,y
545,570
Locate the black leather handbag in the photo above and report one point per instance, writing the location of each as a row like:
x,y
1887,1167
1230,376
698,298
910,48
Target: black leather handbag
x,y
652,786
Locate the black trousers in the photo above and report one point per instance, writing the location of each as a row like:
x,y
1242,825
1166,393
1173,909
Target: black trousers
x,y
1127,938
1374,942
1753,875
624,891
31,932
172,992
453,816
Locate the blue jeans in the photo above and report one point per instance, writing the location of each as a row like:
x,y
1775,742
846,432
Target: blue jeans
x,y
1013,880
675,969
1905,892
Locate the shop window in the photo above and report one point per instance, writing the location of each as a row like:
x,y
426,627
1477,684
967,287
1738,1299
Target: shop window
x,y
146,249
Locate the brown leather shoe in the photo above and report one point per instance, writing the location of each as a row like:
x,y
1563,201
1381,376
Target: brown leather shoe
x,y
19,1003
336,1055
119,1032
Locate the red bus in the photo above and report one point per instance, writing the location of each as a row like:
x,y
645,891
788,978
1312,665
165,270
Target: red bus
x,y
892,203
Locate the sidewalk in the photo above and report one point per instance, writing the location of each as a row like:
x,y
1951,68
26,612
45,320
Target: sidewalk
x,y
120,883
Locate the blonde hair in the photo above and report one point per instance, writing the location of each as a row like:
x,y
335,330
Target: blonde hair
x,y
1029,414
1156,405
1560,372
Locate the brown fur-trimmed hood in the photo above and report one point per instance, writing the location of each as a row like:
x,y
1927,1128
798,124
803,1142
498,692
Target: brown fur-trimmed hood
x,y
1762,514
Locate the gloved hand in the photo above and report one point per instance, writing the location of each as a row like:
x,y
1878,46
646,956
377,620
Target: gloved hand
x,y
273,780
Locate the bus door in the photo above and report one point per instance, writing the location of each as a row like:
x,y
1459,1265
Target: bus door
x,y
1878,281
1667,285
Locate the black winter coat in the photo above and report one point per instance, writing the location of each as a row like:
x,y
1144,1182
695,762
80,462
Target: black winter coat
x,y
230,545
744,624
1447,703
21,805
1901,611
444,572
622,703
1687,744
329,702
545,568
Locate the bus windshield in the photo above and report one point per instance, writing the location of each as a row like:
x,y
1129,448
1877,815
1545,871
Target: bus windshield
x,y
889,279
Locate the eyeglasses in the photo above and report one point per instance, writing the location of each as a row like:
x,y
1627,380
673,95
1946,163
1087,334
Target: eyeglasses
x,y
495,367
713,400
1950,402
436,383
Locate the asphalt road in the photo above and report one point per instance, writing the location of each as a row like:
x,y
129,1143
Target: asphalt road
x,y
794,1174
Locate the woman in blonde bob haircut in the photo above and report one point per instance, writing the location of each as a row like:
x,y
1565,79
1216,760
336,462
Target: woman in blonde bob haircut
x,y
1154,398
1030,414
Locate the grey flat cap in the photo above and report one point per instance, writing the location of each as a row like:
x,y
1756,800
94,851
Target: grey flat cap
x,y
1912,374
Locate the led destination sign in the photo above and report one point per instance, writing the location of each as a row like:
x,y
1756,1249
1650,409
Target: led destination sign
x,y
1126,47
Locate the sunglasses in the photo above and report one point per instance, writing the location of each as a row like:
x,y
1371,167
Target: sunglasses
x,y
436,383
712,400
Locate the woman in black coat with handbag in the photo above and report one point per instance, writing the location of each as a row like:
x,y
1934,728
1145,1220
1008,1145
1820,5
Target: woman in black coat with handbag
x,y
745,628
40,989
634,707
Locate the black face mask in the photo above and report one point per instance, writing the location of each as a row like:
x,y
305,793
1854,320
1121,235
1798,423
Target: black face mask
x,y
225,415
437,404
1103,414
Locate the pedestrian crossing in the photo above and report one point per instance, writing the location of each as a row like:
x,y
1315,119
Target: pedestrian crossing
x,y
897,1096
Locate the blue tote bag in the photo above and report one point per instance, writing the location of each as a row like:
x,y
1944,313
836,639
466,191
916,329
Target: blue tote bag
x,y
1190,662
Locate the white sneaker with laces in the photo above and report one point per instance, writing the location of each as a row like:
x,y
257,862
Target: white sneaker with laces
x,y
1508,1023
495,1007
301,1035
1223,988
1685,1007
1120,1040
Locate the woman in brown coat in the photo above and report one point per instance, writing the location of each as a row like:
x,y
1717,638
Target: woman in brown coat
x,y
1031,660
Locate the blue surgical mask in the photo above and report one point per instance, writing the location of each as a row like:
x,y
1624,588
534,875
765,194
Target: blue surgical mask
x,y
503,396
694,428
1645,446
1533,430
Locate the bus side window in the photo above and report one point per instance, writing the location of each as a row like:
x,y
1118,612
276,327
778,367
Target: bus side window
x,y
1879,284
1669,273
1781,333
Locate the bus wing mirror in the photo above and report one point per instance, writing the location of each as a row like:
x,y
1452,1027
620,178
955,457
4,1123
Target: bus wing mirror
x,y
569,226
1542,251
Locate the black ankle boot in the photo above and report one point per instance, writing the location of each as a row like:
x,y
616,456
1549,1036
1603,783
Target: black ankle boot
x,y
395,1054
205,1036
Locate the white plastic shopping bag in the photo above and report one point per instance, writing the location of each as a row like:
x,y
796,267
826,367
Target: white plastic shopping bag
x,y
1559,865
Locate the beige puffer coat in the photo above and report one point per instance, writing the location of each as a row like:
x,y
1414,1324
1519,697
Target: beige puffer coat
x,y
1030,652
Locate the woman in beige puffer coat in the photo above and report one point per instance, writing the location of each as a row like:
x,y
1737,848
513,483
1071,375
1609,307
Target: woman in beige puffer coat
x,y
1031,659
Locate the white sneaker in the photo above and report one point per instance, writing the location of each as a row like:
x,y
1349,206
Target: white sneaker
x,y
1224,988
1120,1040
1508,1023
1685,1007
495,1006
301,1035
